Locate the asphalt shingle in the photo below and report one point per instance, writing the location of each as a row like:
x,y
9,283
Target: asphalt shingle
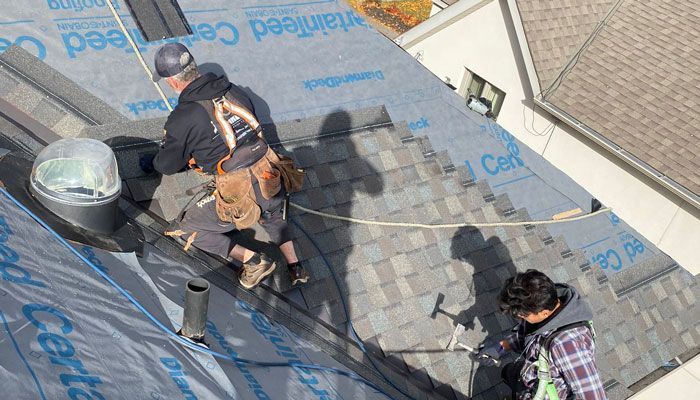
x,y
393,278
637,82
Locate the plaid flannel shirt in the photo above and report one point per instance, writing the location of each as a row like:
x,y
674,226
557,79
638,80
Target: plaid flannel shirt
x,y
572,364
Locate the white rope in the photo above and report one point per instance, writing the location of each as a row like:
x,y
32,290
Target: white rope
x,y
138,54
440,226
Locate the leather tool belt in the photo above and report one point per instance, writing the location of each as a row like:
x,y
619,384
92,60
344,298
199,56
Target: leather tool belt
x,y
235,196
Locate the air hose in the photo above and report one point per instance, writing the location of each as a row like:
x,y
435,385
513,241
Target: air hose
x,y
356,338
174,335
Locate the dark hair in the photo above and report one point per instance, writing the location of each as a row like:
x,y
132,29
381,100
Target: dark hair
x,y
526,293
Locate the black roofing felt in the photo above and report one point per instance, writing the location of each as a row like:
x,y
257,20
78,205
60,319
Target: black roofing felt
x,y
124,355
407,287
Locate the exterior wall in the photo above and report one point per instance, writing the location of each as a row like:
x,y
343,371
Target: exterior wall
x,y
668,222
484,47
484,41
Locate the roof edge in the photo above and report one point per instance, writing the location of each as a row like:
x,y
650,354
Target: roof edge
x,y
524,46
440,4
442,19
641,166
328,124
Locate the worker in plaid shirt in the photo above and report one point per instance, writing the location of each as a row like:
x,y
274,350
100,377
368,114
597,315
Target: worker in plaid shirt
x,y
545,308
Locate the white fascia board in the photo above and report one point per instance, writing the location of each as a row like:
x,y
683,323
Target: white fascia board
x,y
668,183
524,47
439,21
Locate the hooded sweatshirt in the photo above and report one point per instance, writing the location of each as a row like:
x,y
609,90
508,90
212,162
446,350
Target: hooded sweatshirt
x,y
190,132
571,381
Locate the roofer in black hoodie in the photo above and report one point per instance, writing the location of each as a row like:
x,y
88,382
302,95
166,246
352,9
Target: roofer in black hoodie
x,y
214,129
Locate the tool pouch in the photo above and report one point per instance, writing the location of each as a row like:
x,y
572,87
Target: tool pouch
x,y
235,199
269,177
293,177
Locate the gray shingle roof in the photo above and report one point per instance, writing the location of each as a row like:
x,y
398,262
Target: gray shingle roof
x,y
392,277
48,96
556,29
637,84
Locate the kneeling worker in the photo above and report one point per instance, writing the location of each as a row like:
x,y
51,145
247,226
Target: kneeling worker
x,y
554,339
214,129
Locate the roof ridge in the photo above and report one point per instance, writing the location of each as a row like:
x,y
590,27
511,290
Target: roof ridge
x,y
573,60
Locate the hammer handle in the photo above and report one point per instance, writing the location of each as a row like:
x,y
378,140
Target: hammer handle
x,y
482,358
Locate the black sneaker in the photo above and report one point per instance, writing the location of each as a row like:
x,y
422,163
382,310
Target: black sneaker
x,y
297,273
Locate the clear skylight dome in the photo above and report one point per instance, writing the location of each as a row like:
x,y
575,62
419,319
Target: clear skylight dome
x,y
77,172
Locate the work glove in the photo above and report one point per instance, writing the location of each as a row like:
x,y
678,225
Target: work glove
x,y
494,351
146,163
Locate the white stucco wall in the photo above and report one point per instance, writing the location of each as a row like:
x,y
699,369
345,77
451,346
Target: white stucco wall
x,y
479,41
476,36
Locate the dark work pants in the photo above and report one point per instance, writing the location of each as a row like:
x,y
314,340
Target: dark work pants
x,y
212,233
511,376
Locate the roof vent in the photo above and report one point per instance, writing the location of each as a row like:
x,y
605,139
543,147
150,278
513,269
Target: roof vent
x,y
159,19
78,180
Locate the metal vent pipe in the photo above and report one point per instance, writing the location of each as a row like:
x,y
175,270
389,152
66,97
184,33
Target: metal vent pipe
x,y
196,305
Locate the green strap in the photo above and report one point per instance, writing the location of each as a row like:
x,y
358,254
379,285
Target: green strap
x,y
545,384
552,391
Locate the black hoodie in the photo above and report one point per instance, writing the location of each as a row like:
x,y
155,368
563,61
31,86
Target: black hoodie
x,y
189,131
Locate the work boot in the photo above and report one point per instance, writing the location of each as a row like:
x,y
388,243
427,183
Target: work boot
x,y
255,270
297,273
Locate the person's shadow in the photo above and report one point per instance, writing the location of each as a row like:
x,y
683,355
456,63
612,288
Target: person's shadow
x,y
335,171
492,265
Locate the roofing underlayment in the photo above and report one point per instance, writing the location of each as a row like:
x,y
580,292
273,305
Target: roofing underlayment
x,y
67,333
381,139
631,76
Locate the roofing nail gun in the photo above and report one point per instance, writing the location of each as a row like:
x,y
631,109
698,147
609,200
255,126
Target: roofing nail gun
x,y
482,359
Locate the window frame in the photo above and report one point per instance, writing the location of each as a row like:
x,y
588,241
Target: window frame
x,y
483,85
